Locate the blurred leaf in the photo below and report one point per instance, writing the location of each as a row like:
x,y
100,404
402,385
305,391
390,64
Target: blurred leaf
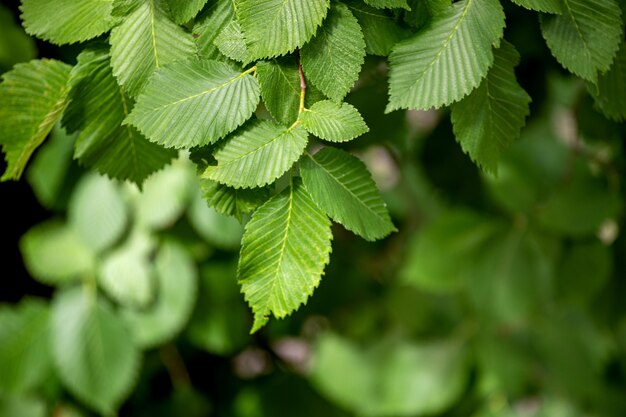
x,y
15,45
610,93
219,229
584,272
22,407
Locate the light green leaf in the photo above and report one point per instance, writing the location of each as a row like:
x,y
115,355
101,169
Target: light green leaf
x,y
284,250
610,93
216,228
233,201
210,24
176,275
333,122
388,4
25,359
23,406
257,154
232,44
341,185
333,59
194,102
33,97
381,31
125,273
488,120
585,38
277,27
97,212
67,21
146,41
546,6
93,350
54,254
445,61
185,10
97,109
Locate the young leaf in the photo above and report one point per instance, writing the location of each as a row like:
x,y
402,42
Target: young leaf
x,y
341,185
33,97
144,42
210,24
546,6
446,60
380,30
97,109
284,250
93,350
333,59
388,4
488,120
333,122
277,27
194,102
185,10
67,21
257,155
610,92
232,201
585,38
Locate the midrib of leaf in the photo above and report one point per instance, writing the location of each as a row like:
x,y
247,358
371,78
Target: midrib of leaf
x,y
571,14
282,73
153,33
345,188
262,146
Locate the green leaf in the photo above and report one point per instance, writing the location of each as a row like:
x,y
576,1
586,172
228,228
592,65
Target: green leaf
x,y
284,250
93,350
546,6
194,102
257,155
341,185
210,24
218,229
580,262
67,21
97,212
277,27
23,406
388,4
25,359
233,201
145,41
488,120
610,93
333,59
54,254
445,61
232,44
176,275
585,38
333,122
15,45
185,10
97,109
33,97
381,31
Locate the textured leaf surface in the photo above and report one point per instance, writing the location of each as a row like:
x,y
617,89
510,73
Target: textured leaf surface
x,y
333,122
67,21
389,4
210,24
547,6
176,276
610,93
92,349
184,10
194,102
333,59
585,37
488,120
145,41
342,186
276,27
257,155
33,97
97,109
232,201
380,30
25,359
231,43
448,59
285,248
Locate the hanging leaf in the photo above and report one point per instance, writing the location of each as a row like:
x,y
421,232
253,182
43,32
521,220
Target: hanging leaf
x,y
381,31
147,40
284,250
97,109
185,10
610,92
194,102
445,61
233,201
488,120
33,97
257,154
333,122
67,21
586,37
277,27
333,59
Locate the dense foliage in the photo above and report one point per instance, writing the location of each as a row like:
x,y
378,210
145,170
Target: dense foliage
x,y
463,161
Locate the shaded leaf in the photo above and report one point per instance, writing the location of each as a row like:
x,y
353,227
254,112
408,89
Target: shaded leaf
x,y
209,26
381,31
333,122
216,228
547,6
185,10
388,4
233,201
610,93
